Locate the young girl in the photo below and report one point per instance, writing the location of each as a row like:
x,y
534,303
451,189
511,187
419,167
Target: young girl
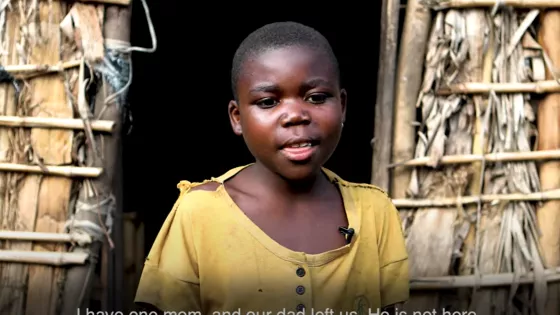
x,y
283,235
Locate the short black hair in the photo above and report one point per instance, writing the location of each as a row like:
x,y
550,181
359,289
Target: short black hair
x,y
278,35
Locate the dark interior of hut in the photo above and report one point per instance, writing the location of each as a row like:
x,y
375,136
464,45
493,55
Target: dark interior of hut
x,y
180,93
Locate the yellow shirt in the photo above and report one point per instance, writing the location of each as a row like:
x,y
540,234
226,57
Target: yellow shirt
x,y
209,257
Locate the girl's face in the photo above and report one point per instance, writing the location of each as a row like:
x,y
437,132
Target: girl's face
x,y
290,110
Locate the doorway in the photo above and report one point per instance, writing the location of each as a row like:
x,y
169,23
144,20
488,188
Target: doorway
x,y
179,95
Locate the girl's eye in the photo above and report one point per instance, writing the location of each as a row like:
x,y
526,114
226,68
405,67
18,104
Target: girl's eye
x,y
317,98
267,102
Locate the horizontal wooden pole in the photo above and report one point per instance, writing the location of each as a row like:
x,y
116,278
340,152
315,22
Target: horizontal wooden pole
x,y
55,123
541,87
471,281
492,158
27,71
45,237
43,258
65,171
453,202
465,4
117,2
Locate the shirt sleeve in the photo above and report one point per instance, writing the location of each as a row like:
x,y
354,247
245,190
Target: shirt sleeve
x,y
393,258
169,280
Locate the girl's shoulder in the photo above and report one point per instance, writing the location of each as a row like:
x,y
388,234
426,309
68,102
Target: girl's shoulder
x,y
197,196
200,199
361,192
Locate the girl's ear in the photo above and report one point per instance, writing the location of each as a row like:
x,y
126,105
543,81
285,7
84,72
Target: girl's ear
x,y
235,117
343,102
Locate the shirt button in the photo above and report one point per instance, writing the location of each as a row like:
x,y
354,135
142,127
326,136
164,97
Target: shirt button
x,y
300,307
300,272
300,290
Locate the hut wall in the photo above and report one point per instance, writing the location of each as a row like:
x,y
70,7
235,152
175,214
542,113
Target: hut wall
x,y
64,72
473,212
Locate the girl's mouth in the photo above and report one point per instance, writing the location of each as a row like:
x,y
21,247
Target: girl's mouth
x,y
301,151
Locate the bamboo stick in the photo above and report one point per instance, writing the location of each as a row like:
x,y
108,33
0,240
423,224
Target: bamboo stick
x,y
55,123
43,258
541,87
463,4
117,2
42,67
45,237
383,133
495,280
490,157
27,71
55,170
450,202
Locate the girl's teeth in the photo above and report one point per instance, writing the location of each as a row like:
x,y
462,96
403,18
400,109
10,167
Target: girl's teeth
x,y
301,145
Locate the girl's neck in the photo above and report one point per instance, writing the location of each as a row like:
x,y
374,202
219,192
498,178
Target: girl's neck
x,y
282,186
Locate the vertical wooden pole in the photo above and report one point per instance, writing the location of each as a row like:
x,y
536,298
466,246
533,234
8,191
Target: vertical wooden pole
x,y
383,133
117,27
412,51
548,216
79,279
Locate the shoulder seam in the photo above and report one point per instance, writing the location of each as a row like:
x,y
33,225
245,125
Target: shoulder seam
x,y
364,185
185,186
